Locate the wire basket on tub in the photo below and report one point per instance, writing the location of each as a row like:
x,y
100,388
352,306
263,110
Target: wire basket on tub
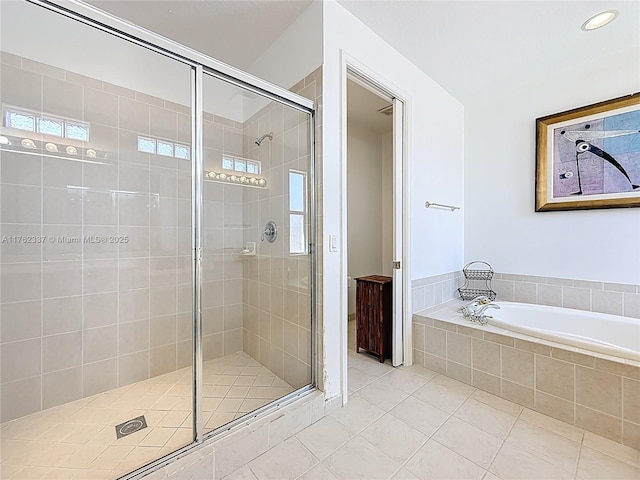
x,y
477,281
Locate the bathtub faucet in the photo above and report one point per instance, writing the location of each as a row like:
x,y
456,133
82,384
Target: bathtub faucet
x,y
469,310
480,316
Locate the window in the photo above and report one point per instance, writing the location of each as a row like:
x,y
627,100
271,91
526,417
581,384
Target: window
x,y
297,212
77,131
21,121
181,151
146,145
49,126
56,127
165,148
241,165
253,167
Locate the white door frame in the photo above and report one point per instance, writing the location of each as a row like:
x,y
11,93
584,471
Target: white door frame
x,y
376,82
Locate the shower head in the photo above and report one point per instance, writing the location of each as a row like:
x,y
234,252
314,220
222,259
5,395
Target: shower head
x,y
261,139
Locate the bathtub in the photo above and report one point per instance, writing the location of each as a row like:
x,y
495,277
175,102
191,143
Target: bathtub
x,y
597,332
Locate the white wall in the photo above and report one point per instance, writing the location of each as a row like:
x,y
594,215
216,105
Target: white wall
x,y
387,203
296,53
435,148
364,204
501,226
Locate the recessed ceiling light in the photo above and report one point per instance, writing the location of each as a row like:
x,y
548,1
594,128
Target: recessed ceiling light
x,y
600,20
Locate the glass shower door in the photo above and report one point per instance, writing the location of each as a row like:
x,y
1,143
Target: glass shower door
x,y
97,285
256,303
95,222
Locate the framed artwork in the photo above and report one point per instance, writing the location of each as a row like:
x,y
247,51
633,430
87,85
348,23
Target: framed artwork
x,y
589,157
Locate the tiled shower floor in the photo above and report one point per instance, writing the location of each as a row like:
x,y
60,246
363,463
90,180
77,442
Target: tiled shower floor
x,y
78,440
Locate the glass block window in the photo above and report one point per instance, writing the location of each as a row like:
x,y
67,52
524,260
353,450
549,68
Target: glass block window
x,y
297,212
76,131
182,151
53,126
146,145
240,165
227,163
50,126
20,120
253,167
165,148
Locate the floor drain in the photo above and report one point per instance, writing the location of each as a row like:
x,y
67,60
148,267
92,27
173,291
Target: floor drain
x,y
131,426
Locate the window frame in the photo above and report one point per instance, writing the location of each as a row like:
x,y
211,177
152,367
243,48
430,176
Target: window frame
x,y
304,213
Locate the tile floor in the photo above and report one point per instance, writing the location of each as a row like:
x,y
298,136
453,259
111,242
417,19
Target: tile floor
x,y
78,440
412,423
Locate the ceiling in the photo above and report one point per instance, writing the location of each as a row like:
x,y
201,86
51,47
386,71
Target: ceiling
x,y
475,49
235,32
480,49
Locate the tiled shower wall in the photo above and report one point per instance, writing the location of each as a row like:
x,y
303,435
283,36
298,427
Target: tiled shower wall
x,y
277,325
222,288
98,317
80,318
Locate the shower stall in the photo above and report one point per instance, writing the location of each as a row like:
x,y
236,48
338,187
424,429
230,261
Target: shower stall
x,y
157,255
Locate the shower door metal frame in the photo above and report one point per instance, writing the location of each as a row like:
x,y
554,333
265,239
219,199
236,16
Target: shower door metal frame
x,y
200,65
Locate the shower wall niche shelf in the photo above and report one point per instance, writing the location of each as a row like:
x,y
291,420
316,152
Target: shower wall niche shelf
x,y
478,281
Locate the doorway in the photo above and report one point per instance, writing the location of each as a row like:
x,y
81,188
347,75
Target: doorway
x,y
375,220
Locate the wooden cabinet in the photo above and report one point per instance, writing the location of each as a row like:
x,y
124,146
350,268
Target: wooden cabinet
x,y
373,315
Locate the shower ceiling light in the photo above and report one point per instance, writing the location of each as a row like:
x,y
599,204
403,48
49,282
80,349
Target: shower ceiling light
x,y
599,20
237,179
28,143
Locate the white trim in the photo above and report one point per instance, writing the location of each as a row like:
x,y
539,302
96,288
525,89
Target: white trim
x,y
406,230
397,325
344,295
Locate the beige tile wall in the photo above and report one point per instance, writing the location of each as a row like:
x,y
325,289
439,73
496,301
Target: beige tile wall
x,y
602,297
80,318
598,395
277,329
223,270
430,291
613,298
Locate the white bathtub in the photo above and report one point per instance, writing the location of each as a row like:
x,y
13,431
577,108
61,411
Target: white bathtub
x,y
597,332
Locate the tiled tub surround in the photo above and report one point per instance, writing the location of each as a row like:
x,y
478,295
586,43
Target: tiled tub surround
x,y
603,297
430,291
614,298
596,392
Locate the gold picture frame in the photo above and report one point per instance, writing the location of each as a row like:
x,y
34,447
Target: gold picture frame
x,y
589,157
